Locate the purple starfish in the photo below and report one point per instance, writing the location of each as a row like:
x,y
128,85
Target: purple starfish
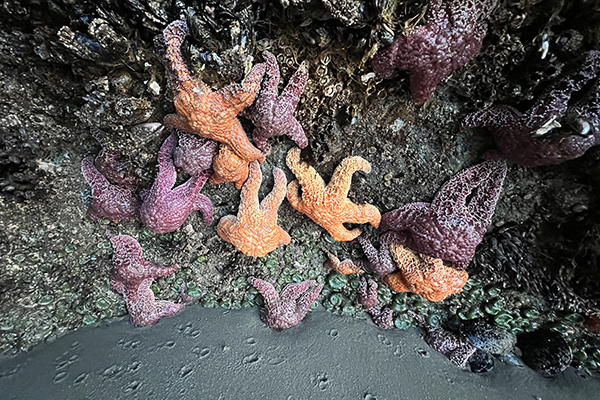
x,y
273,115
380,261
285,310
430,53
367,297
132,277
194,154
110,163
453,225
165,209
537,137
456,348
110,201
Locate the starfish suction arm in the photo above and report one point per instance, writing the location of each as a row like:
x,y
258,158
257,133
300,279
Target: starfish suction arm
x,y
267,290
167,175
93,177
249,195
339,186
272,70
293,290
312,184
274,199
296,133
239,96
306,299
290,96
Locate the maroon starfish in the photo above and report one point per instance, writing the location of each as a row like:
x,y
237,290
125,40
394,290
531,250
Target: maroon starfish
x,y
431,52
115,202
132,277
367,297
273,115
165,209
285,310
194,154
453,225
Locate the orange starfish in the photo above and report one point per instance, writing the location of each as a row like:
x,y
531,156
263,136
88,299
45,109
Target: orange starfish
x,y
200,110
329,205
228,167
254,231
424,275
345,267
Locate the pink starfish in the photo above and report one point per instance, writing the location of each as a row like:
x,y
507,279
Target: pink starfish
x,y
115,202
165,209
367,297
132,277
285,310
273,115
194,154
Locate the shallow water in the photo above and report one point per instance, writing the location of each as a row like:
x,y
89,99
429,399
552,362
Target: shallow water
x,y
220,354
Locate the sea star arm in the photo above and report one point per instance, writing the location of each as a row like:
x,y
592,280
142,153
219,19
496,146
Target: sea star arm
x,y
296,133
380,262
312,184
93,177
306,299
403,217
290,96
167,175
270,295
339,186
249,195
239,96
494,117
274,199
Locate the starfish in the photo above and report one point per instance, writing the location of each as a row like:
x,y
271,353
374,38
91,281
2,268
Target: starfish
x,y
132,277
453,225
424,275
329,206
537,137
165,209
287,309
380,261
228,167
431,52
367,297
112,164
273,115
115,202
254,231
193,154
200,110
455,347
345,267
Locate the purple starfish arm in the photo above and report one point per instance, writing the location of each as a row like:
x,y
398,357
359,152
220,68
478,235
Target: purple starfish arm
x,y
132,277
451,37
194,154
110,201
537,137
380,261
273,114
165,209
367,296
288,309
454,224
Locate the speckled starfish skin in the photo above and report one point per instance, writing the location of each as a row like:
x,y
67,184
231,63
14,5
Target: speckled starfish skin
x,y
536,137
115,202
273,115
453,225
165,209
424,275
132,277
367,297
329,205
457,349
254,231
345,267
287,309
200,110
380,261
228,167
110,164
193,154
430,53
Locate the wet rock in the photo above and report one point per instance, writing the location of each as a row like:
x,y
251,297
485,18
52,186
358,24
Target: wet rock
x,y
545,352
488,338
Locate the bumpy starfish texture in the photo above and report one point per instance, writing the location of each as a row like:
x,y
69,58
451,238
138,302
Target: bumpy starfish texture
x,y
537,137
424,275
254,231
345,267
228,167
287,309
193,154
380,261
112,164
165,209
367,297
200,110
453,225
273,115
132,277
115,202
455,347
430,53
329,205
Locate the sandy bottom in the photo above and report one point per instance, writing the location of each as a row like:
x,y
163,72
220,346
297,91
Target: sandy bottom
x,y
221,354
